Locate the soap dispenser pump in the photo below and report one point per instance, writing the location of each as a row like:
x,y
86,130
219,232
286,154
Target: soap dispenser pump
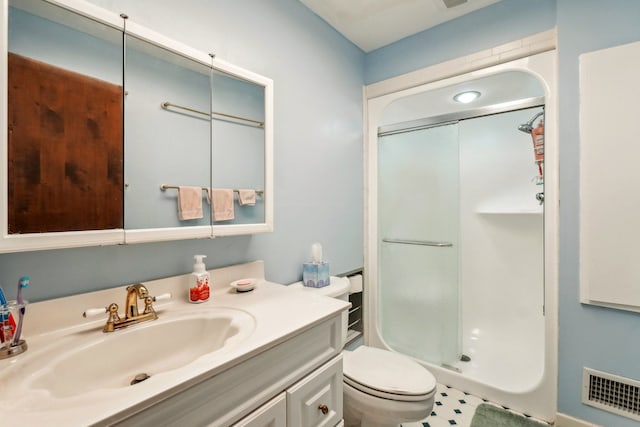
x,y
199,289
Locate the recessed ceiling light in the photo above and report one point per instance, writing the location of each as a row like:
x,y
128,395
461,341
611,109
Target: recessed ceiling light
x,y
466,97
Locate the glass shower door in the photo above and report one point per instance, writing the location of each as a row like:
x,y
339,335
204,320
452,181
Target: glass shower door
x,y
418,223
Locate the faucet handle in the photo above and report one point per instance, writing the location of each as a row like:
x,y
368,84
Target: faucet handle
x,y
149,300
112,319
112,309
162,297
90,312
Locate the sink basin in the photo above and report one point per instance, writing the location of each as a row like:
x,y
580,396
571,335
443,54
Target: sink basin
x,y
112,360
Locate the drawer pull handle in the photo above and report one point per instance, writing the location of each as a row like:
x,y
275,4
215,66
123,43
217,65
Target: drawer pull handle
x,y
324,409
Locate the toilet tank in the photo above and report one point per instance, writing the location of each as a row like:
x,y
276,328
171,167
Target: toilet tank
x,y
338,288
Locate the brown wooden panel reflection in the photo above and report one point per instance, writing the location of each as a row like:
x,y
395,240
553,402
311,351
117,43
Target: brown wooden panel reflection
x,y
65,150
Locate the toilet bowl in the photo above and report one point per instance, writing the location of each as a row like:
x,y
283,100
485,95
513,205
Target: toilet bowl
x,y
380,388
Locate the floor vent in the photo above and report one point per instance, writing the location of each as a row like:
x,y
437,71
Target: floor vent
x,y
611,393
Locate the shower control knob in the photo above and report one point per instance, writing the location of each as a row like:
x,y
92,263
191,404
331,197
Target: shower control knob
x,y
540,197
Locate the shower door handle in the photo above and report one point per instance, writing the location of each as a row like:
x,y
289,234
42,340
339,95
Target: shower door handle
x,y
419,242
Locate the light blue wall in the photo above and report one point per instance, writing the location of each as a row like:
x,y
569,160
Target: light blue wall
x,y
497,24
318,79
600,338
37,38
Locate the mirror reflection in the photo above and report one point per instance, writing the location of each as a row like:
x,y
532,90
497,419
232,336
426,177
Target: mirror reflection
x,y
164,145
65,121
238,146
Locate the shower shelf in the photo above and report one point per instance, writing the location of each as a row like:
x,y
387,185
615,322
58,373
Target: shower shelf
x,y
510,204
510,211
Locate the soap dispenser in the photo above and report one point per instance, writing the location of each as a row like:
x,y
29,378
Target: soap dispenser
x,y
199,290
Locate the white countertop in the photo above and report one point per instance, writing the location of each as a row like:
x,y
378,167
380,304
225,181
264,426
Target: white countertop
x,y
279,313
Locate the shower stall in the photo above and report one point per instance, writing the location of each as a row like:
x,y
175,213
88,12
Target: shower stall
x,y
459,251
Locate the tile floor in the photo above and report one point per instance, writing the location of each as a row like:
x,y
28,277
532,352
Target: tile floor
x,y
451,408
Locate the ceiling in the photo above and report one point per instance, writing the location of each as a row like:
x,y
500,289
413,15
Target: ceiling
x,y
496,89
371,24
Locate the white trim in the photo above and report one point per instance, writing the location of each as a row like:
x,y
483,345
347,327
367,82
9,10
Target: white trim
x,y
160,40
91,11
563,420
59,240
166,233
379,95
237,229
4,122
507,52
269,161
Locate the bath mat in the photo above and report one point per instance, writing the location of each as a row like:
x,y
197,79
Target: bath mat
x,y
493,416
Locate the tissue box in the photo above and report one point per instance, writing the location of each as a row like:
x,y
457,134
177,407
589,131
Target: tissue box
x,y
315,275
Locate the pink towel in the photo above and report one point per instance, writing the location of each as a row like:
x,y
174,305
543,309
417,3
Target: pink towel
x,y
222,204
189,203
247,197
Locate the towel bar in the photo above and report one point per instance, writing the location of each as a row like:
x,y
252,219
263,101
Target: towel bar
x,y
419,242
166,105
164,187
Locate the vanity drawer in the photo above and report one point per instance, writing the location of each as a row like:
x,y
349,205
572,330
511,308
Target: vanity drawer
x,y
271,414
316,400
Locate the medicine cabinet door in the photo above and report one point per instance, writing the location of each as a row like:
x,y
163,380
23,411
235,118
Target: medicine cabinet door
x,y
167,140
62,150
238,151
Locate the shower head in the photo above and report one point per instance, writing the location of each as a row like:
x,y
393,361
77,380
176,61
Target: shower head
x,y
525,127
528,127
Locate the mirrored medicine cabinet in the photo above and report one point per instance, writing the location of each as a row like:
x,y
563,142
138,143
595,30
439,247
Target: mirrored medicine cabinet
x,y
106,119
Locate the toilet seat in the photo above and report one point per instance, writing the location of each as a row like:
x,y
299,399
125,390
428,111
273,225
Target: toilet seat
x,y
388,375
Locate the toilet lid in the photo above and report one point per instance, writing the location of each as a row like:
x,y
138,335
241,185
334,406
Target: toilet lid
x,y
337,287
386,374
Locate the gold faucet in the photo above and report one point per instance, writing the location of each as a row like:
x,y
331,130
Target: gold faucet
x,y
131,314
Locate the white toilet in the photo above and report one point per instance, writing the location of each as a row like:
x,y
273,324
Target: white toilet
x,y
381,388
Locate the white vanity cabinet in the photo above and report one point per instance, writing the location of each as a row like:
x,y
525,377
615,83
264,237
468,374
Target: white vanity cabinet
x,y
314,401
317,399
271,414
305,370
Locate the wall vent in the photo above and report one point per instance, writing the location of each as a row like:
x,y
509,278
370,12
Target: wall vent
x,y
611,393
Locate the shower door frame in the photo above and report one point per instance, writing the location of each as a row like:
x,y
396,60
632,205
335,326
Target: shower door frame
x,y
541,400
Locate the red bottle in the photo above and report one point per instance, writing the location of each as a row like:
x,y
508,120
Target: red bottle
x,y
199,287
537,135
